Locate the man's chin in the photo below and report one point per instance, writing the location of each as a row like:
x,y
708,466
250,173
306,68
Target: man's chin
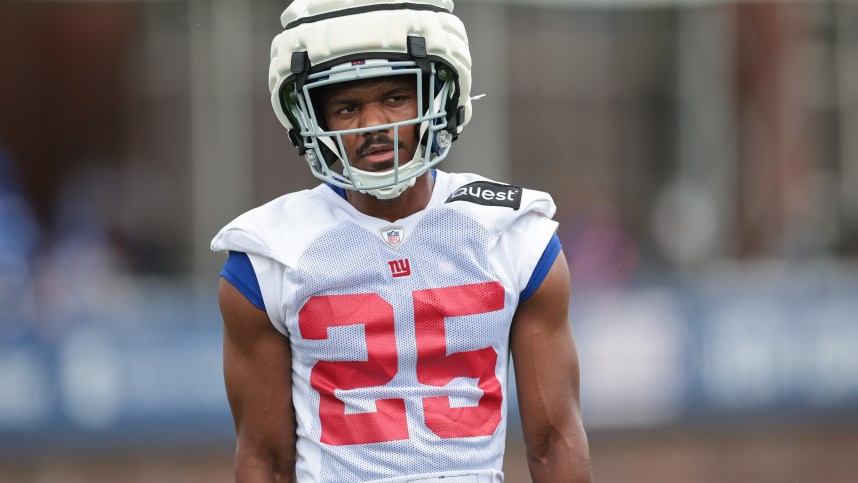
x,y
379,164
379,167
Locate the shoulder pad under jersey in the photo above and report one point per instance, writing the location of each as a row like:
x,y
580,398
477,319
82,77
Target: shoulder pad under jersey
x,y
498,204
279,229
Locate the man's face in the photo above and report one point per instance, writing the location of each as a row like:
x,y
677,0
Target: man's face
x,y
373,102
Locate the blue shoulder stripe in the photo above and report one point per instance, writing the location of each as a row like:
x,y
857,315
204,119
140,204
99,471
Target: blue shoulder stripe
x,y
338,190
239,272
542,266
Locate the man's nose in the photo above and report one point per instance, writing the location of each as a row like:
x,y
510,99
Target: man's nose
x,y
373,114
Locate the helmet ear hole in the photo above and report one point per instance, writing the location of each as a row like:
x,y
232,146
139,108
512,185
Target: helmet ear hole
x,y
287,102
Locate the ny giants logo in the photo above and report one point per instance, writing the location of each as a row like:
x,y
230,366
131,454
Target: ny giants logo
x,y
400,268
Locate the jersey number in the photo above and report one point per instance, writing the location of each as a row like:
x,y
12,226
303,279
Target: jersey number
x,y
434,366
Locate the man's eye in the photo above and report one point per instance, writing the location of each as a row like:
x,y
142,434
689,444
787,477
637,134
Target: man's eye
x,y
347,110
396,99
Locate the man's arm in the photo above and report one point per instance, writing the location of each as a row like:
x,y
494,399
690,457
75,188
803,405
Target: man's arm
x,y
257,366
546,374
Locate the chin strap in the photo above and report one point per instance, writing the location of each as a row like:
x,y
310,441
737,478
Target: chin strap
x,y
391,191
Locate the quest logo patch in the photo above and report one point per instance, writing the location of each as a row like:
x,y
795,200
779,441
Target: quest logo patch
x,y
489,194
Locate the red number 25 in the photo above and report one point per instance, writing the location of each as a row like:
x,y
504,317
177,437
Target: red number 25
x,y
434,366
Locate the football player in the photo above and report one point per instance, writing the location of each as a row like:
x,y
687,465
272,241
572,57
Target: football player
x,y
369,320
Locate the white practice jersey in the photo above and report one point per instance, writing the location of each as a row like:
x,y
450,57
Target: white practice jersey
x,y
399,330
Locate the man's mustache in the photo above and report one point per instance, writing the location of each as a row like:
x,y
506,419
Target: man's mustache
x,y
376,141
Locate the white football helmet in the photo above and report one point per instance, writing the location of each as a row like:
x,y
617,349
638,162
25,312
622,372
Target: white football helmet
x,y
332,41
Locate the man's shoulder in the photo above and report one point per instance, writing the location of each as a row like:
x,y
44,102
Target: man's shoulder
x,y
262,230
278,204
473,192
458,180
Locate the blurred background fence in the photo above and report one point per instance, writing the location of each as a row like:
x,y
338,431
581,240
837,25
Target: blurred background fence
x,y
703,156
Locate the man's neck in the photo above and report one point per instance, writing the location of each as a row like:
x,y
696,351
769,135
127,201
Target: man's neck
x,y
409,202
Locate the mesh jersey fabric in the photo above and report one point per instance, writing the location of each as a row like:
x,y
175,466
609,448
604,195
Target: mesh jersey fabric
x,y
400,353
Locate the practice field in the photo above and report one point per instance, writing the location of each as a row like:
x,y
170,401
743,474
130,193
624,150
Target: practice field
x,y
716,455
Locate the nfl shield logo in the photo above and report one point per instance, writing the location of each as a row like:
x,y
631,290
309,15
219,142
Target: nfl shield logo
x,y
393,235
